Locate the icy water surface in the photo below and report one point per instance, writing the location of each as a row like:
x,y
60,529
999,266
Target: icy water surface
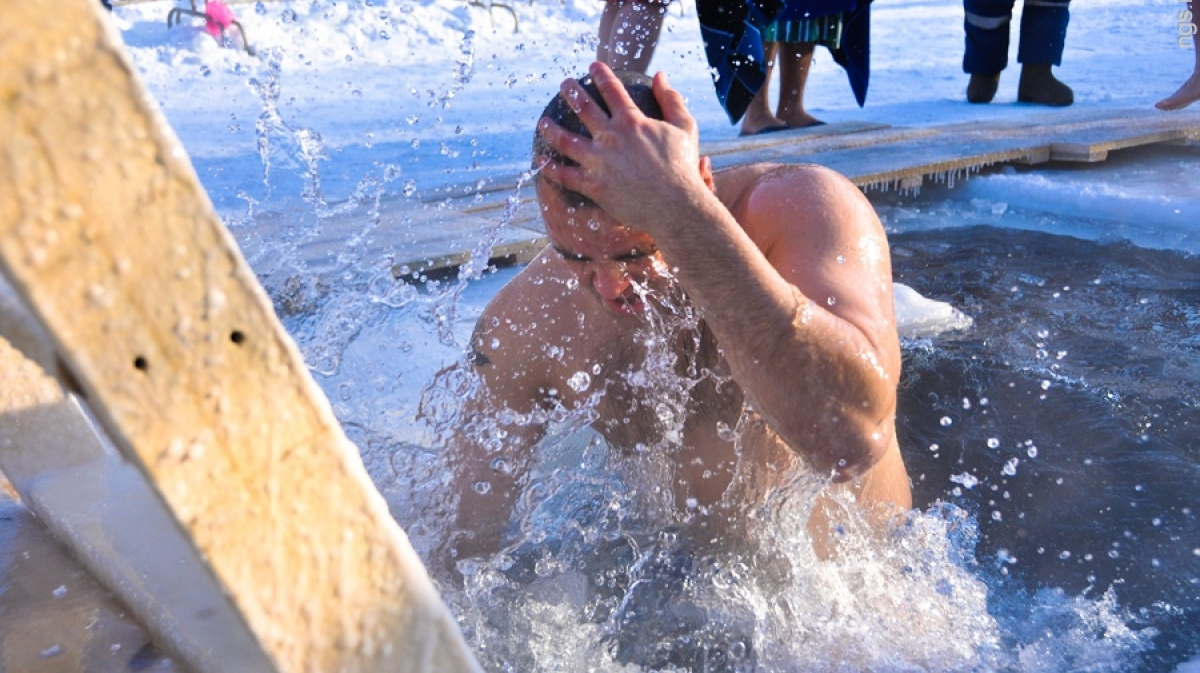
x,y
1066,420
1052,446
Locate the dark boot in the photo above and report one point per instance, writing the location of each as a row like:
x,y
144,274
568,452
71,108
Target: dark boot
x,y
1038,85
982,88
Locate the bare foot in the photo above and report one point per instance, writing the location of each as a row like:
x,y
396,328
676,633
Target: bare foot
x,y
753,124
1188,93
800,120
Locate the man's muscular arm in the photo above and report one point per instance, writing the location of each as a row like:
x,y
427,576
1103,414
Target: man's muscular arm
x,y
823,373
492,450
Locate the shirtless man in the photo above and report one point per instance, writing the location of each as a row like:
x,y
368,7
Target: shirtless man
x,y
787,267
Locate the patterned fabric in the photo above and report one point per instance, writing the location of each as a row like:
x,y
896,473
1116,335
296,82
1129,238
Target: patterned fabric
x,y
823,30
733,44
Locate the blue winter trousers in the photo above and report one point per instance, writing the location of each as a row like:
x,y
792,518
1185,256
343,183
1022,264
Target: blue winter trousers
x,y
1043,33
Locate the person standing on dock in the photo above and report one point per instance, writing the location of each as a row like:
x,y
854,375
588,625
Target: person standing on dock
x,y
1043,35
1190,91
629,31
790,367
789,40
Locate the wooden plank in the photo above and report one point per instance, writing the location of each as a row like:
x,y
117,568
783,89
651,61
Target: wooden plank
x,y
811,139
103,509
871,155
935,158
106,234
56,616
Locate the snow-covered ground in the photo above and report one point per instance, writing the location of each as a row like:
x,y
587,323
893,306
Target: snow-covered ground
x,y
418,93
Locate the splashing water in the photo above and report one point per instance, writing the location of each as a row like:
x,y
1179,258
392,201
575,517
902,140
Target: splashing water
x,y
599,547
599,572
602,553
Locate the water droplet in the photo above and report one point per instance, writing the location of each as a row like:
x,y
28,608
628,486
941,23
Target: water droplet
x,y
934,447
945,421
60,591
1010,468
664,413
1064,555
481,487
831,300
53,651
966,479
579,381
841,259
993,443
725,433
288,16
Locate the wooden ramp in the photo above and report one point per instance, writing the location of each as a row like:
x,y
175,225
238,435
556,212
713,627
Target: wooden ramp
x,y
154,413
872,156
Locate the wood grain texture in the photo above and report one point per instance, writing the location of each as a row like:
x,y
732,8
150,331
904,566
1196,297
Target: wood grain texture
x,y
107,236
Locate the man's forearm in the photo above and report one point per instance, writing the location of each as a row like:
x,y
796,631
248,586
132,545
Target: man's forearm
x,y
815,377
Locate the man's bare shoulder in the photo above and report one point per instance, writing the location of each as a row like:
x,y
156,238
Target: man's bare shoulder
x,y
534,311
736,184
773,201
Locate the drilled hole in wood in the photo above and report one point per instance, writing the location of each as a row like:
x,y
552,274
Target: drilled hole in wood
x,y
140,364
237,337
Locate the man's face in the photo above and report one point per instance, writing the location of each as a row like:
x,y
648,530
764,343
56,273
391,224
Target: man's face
x,y
605,256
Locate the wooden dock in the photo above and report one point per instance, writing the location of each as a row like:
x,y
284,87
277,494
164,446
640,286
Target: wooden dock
x,y
448,227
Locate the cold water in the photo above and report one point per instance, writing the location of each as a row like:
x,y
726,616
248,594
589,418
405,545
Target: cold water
x,y
1052,447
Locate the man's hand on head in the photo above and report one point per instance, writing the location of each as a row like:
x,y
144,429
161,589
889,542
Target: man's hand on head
x,y
637,169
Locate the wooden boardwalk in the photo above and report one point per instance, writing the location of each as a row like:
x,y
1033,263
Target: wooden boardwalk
x,y
459,221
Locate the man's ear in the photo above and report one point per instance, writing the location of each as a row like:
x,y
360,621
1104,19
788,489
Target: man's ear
x,y
706,173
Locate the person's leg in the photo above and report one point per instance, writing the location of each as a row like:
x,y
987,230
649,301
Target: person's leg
x,y
629,33
1190,91
1043,35
758,117
795,60
986,26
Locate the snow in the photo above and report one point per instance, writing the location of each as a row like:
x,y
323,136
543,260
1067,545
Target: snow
x,y
421,93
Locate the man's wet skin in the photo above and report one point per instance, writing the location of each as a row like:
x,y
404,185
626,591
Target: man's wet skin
x,y
612,260
678,289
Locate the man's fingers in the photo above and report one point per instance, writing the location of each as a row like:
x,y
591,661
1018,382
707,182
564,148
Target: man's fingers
x,y
567,177
674,108
577,98
620,105
570,145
